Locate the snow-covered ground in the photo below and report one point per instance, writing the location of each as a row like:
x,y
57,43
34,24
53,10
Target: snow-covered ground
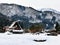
x,y
27,39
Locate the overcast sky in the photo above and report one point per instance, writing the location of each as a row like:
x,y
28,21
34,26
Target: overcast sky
x,y
37,4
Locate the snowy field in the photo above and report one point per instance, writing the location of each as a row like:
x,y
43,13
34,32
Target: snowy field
x,y
27,39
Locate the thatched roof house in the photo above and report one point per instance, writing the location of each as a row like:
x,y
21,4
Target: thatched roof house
x,y
15,27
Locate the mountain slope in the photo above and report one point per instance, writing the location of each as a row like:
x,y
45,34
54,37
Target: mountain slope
x,y
30,15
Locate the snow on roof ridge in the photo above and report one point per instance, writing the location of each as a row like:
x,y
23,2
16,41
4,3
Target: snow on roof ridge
x,y
12,24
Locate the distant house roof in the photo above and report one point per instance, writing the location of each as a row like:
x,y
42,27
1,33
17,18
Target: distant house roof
x,y
15,23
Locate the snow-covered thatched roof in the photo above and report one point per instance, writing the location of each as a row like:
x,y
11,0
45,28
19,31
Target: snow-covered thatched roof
x,y
15,23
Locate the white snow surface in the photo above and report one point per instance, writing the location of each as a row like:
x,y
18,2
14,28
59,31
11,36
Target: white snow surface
x,y
27,39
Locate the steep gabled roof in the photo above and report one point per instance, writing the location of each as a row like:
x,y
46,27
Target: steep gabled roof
x,y
15,23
